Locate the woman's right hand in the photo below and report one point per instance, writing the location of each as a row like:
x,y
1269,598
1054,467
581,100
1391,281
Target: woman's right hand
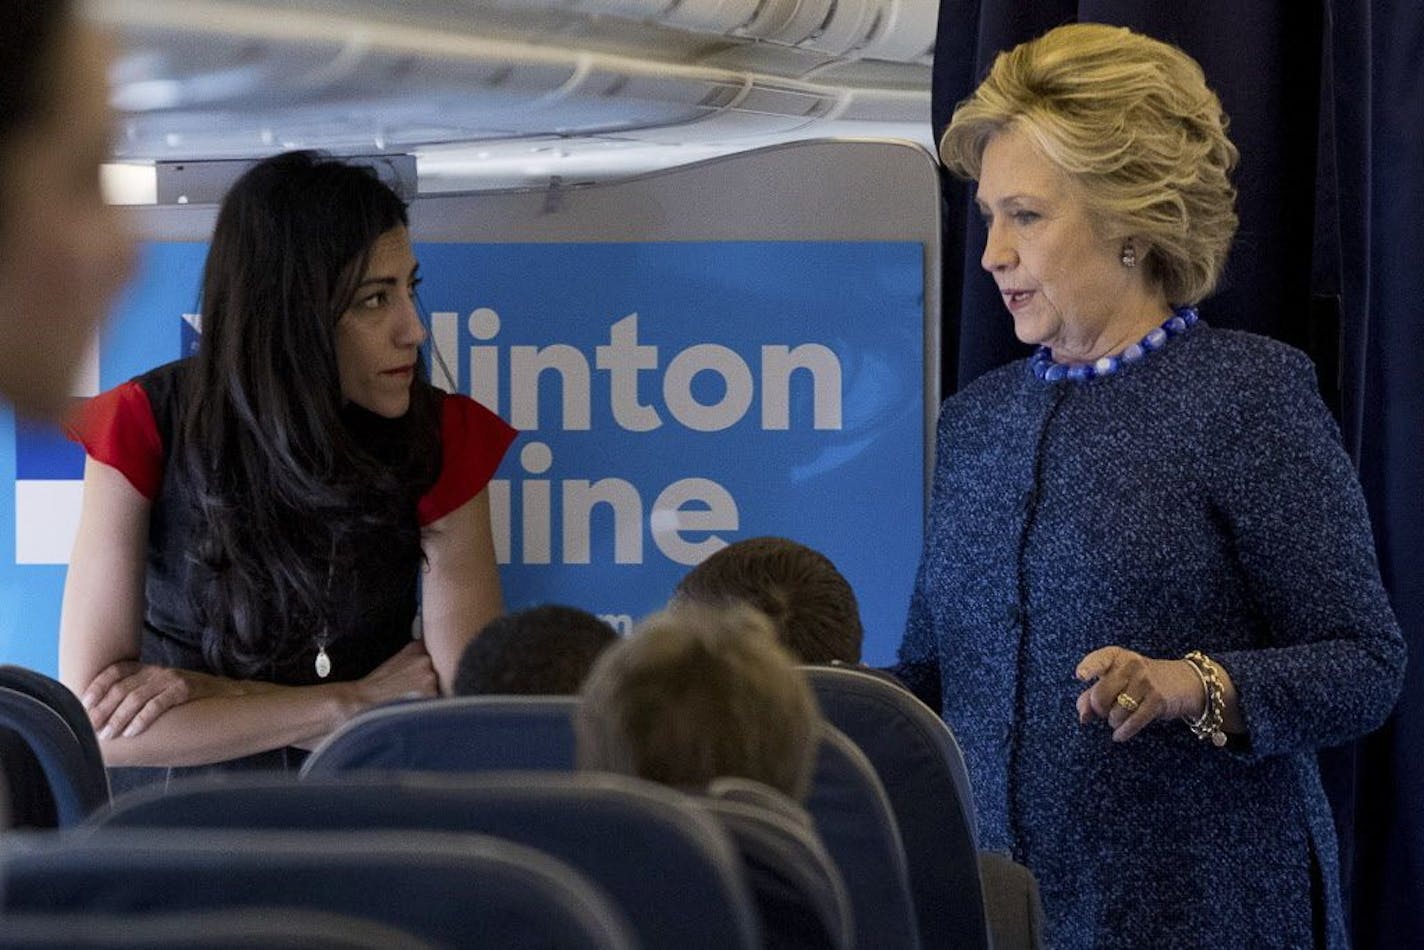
x,y
408,674
126,697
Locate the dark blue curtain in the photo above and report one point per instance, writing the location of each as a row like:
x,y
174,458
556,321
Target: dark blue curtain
x,y
1378,48
1326,101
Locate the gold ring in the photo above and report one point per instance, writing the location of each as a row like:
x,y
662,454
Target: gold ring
x,y
1127,702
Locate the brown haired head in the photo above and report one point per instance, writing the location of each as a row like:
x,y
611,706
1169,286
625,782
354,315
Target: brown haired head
x,y
697,693
810,602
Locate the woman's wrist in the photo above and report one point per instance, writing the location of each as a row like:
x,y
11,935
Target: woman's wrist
x,y
348,699
1194,695
1208,725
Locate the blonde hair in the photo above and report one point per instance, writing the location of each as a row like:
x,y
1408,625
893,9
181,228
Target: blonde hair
x,y
697,693
1132,122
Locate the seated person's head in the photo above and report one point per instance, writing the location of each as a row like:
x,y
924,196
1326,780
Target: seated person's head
x,y
544,650
809,601
695,693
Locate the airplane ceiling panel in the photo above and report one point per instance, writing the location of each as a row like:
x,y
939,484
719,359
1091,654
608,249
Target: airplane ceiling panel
x,y
449,80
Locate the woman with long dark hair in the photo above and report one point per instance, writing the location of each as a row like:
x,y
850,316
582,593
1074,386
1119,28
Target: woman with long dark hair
x,y
260,520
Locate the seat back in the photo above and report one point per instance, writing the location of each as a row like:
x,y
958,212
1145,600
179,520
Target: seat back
x,y
450,889
25,798
57,696
920,765
794,881
470,733
666,862
76,787
479,733
264,928
854,819
1011,902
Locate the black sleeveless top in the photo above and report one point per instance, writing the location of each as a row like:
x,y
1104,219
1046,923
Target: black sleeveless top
x,y
373,603
372,609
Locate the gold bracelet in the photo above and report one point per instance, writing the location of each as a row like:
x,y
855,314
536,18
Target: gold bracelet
x,y
1208,726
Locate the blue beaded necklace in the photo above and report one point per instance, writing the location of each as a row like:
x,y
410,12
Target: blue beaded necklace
x,y
1181,320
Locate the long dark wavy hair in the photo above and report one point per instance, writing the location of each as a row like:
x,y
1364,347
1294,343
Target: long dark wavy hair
x,y
289,483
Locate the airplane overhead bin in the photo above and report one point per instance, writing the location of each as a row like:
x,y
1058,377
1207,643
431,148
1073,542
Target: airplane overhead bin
x,y
514,93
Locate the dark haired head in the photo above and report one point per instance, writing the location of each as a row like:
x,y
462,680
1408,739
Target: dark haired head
x,y
291,243
28,67
542,651
811,604
64,253
286,474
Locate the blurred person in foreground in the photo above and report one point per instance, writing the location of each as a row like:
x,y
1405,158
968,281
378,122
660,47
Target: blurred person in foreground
x,y
64,253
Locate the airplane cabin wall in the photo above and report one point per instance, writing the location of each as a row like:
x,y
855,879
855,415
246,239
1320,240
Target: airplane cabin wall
x,y
792,295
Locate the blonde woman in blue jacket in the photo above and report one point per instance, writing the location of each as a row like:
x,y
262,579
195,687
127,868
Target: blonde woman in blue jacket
x,y
1148,593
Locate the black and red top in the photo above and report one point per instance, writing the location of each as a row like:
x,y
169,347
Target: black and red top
x,y
131,427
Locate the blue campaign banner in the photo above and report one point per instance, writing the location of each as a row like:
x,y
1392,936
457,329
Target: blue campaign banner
x,y
38,518
671,398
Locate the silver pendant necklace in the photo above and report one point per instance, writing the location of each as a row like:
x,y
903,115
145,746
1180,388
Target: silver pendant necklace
x,y
323,661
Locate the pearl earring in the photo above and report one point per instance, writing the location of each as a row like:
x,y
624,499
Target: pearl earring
x,y
1129,256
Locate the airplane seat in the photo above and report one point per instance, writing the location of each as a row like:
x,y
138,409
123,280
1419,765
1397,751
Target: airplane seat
x,y
858,827
57,696
667,864
1012,901
25,798
919,762
467,733
480,733
794,881
260,928
76,786
448,889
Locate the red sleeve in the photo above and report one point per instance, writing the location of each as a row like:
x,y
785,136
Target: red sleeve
x,y
117,428
473,441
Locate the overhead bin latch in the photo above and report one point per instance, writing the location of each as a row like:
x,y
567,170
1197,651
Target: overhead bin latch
x,y
554,195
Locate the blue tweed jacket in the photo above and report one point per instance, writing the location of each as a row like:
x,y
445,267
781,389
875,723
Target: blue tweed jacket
x,y
1197,499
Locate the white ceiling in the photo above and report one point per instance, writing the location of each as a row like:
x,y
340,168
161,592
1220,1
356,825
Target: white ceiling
x,y
493,94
